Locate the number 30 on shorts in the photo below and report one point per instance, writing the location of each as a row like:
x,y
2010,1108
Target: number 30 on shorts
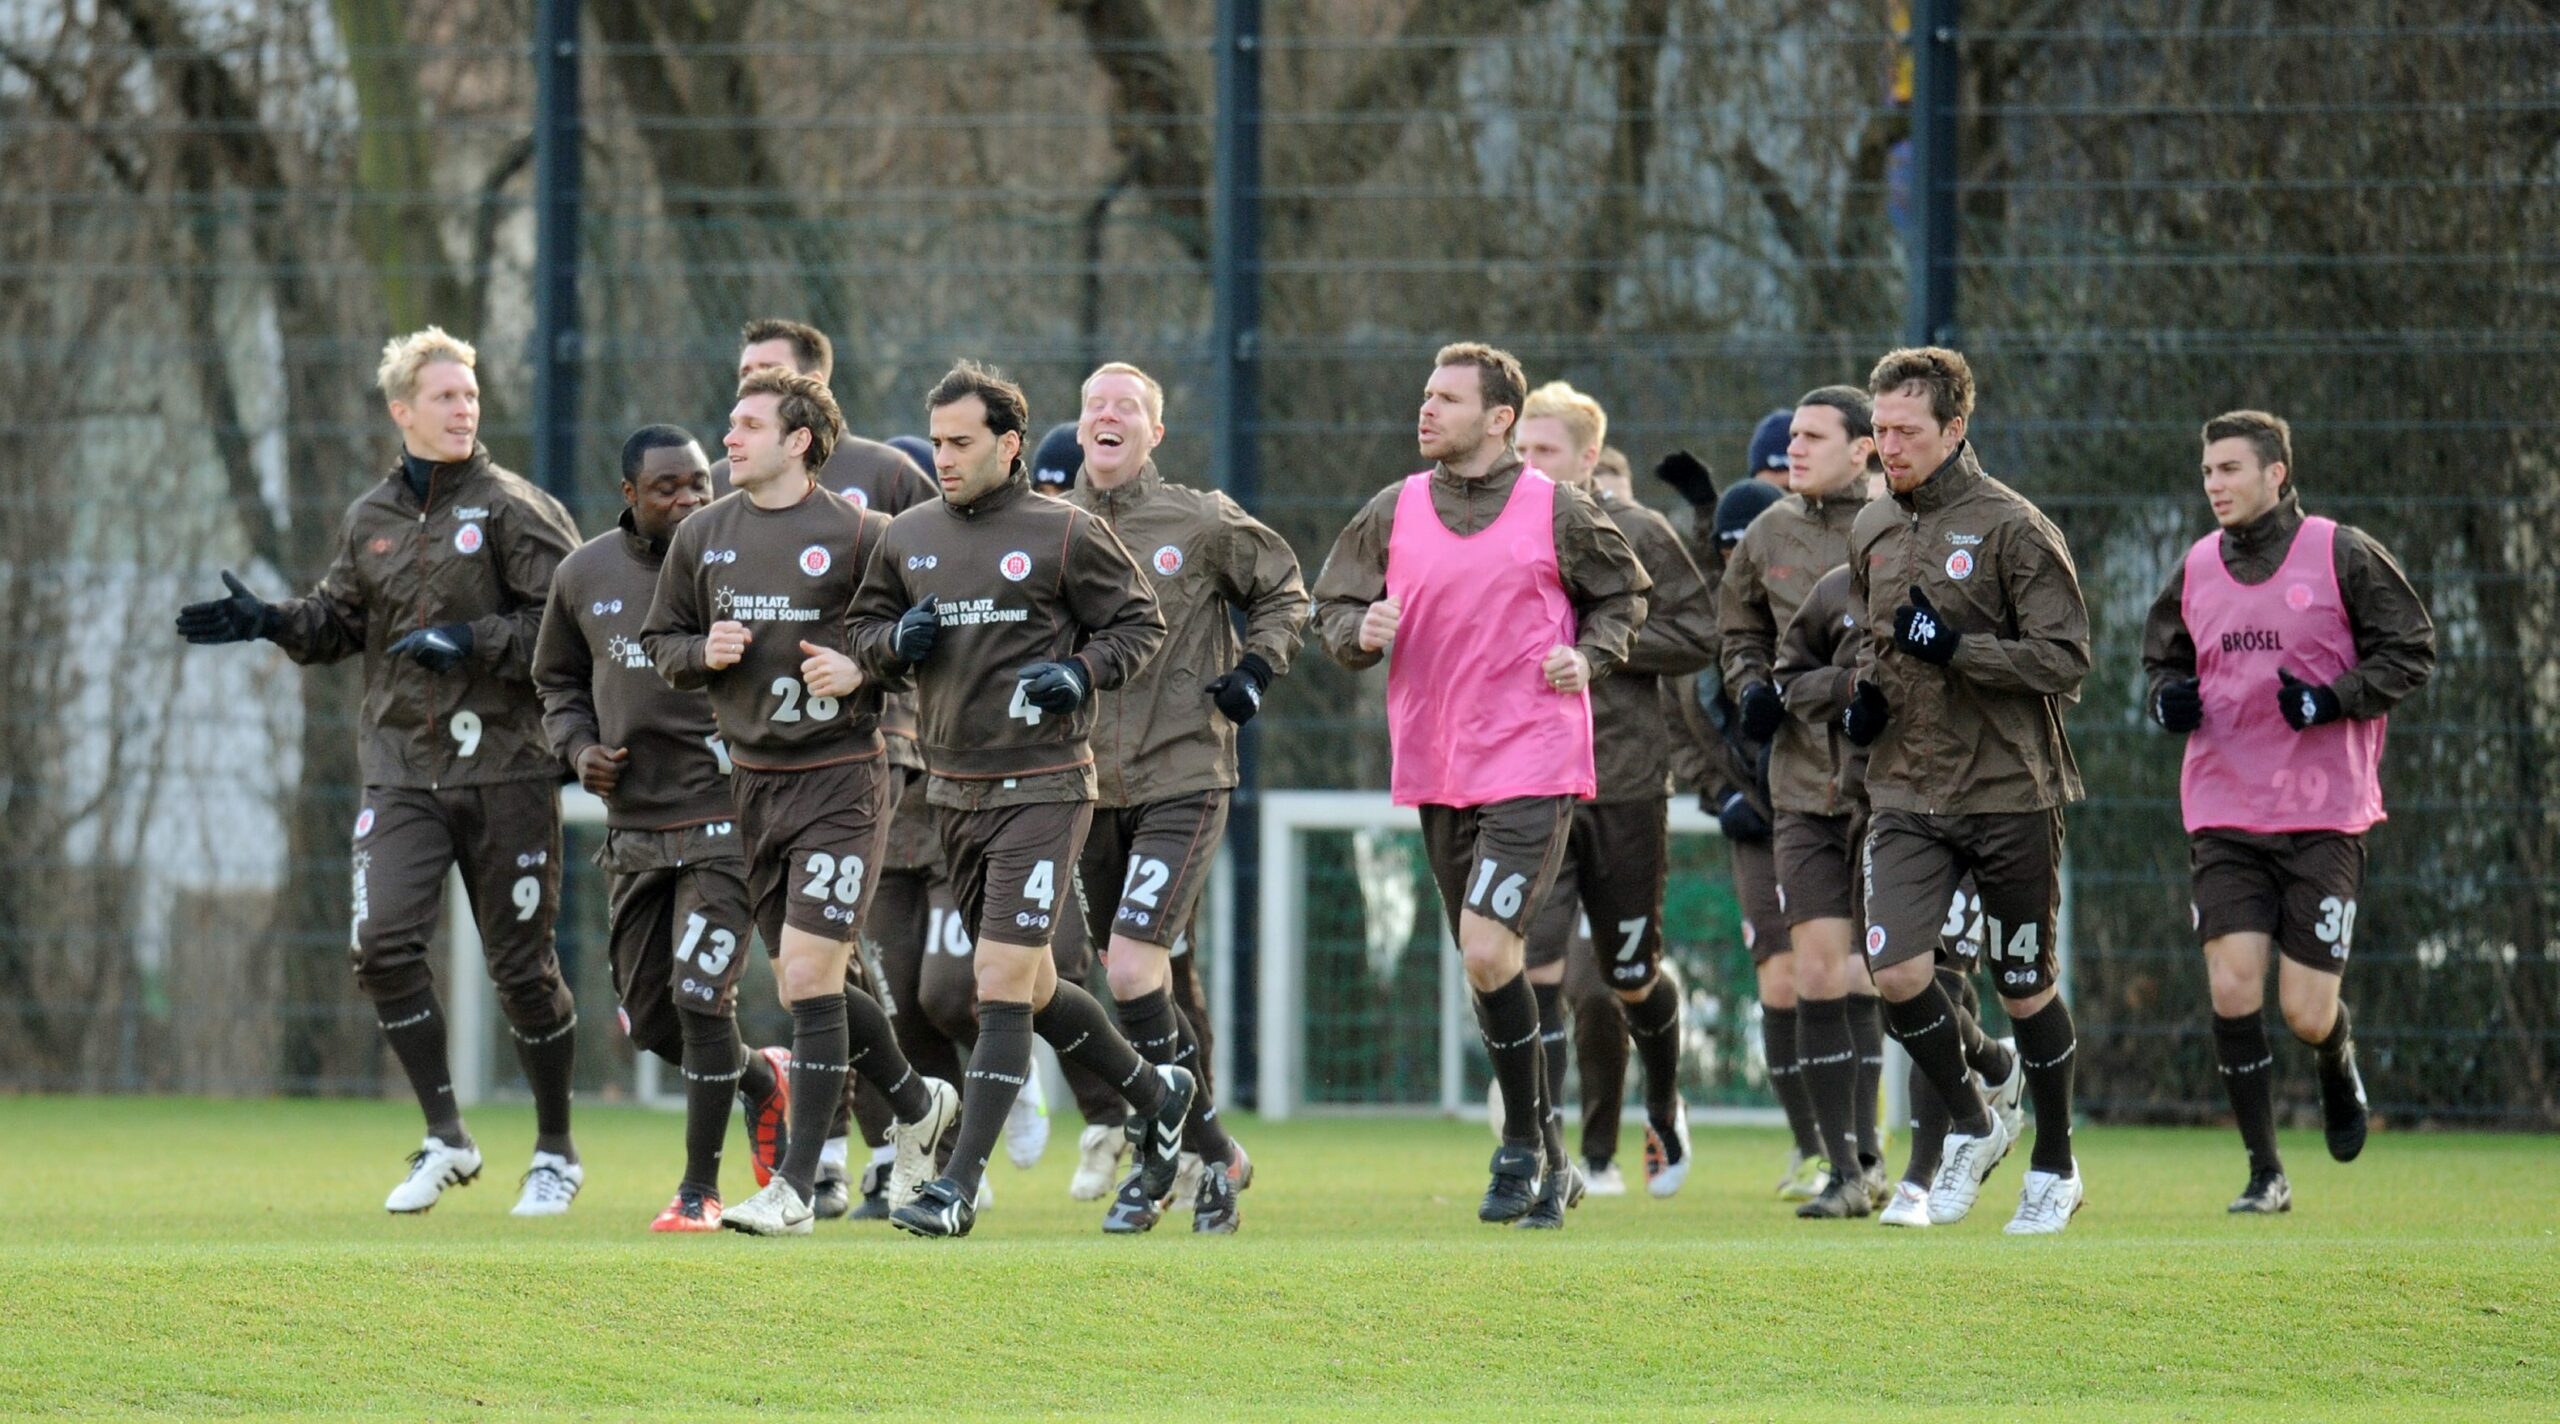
x,y
2337,926
1506,896
840,880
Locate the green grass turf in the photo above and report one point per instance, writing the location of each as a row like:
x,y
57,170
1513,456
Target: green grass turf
x,y
230,1258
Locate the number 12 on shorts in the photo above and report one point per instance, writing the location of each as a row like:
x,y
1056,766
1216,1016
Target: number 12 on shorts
x,y
1506,896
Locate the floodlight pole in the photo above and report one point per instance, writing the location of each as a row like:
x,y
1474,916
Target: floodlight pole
x,y
1235,262
556,177
1935,28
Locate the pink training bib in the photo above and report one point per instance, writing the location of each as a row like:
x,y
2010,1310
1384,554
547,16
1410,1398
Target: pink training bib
x,y
2246,769
1469,712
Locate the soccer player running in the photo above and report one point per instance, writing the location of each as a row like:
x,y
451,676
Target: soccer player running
x,y
1011,611
438,583
1839,1026
1165,740
1618,849
2278,649
1496,596
679,907
1976,638
751,605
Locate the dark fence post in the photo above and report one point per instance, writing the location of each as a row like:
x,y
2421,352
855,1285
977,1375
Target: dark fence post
x,y
1236,283
556,173
1932,318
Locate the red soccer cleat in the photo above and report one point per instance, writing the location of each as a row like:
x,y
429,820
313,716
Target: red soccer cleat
x,y
767,1126
692,1210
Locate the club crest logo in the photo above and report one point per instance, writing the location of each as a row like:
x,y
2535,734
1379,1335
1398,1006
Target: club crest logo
x,y
1168,560
815,560
1960,565
380,546
1875,940
860,498
364,823
1015,566
2298,597
467,539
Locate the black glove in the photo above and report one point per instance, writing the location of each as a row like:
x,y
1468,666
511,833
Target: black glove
x,y
438,649
1058,687
2303,705
1920,630
1239,693
912,639
1763,711
235,619
1862,721
1741,820
1690,476
2178,705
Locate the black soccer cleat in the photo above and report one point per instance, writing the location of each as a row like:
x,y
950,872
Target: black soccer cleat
x,y
2342,1106
1557,1194
1519,1176
833,1198
1216,1211
1132,1212
939,1209
1842,1198
1156,1140
873,1187
2267,1194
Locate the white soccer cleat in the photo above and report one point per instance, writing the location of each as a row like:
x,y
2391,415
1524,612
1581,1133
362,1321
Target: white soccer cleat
x,y
550,1184
1909,1207
1606,1179
986,1194
1962,1164
1804,1178
2008,1097
1664,1176
1189,1168
433,1167
916,1140
2046,1204
1026,1125
778,1210
1099,1152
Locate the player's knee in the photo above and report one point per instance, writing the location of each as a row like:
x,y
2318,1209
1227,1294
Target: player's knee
x,y
807,977
2310,1015
537,1009
2235,993
1133,974
1906,980
384,981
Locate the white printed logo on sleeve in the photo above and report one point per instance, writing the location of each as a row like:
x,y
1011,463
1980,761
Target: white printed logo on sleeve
x,y
1960,565
815,560
467,539
1015,566
1168,560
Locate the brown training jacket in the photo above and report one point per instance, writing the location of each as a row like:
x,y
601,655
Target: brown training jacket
x,y
1984,733
1600,573
1772,570
1817,674
2395,637
480,550
871,474
1678,637
789,575
1702,760
1019,579
1158,736
598,687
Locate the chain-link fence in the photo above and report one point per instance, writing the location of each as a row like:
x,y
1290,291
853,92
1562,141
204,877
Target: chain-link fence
x,y
1693,209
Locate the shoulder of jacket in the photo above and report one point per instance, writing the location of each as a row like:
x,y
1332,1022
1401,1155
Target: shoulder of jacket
x,y
593,554
1880,517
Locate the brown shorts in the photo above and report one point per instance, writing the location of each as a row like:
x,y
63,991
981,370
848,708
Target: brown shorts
x,y
506,838
1915,862
813,841
1817,867
2301,888
1156,857
680,919
1499,859
1013,868
1617,854
1755,887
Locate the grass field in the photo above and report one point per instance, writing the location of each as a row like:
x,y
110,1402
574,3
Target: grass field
x,y
224,1258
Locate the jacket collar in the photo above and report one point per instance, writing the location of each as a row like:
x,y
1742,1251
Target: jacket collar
x,y
1016,487
2269,534
1509,465
1124,496
1846,503
1952,481
442,485
649,552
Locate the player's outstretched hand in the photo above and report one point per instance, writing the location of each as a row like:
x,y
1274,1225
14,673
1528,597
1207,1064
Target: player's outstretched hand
x,y
2179,705
1920,630
1862,721
438,649
2305,706
235,618
1238,694
912,640
1690,476
600,768
1058,687
826,672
